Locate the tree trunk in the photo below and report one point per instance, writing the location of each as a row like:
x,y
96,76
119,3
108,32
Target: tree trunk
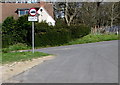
x,y
112,16
66,13
111,23
69,17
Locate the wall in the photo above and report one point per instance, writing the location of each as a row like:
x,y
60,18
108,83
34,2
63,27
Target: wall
x,y
0,12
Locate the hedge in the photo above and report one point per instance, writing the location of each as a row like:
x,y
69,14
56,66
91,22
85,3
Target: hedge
x,y
78,31
52,38
19,31
59,34
15,31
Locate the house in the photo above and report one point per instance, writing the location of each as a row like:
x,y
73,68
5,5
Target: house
x,y
19,9
44,16
19,1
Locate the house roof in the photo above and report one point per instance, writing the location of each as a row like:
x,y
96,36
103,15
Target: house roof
x,y
10,9
50,17
46,6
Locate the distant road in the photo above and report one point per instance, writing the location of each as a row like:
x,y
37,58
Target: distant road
x,y
83,63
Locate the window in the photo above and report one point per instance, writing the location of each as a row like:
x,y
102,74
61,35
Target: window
x,y
22,12
27,11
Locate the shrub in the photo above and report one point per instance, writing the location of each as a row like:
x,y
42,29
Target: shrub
x,y
20,31
59,34
49,35
42,27
23,29
78,31
8,31
0,25
16,31
61,24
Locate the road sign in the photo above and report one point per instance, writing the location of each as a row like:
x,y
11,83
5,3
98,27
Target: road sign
x,y
32,18
32,11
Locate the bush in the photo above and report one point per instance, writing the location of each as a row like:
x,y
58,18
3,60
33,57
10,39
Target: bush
x,y
23,29
0,25
59,34
16,31
19,31
78,31
49,35
8,31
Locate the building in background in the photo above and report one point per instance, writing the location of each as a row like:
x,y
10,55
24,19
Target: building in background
x,y
44,16
20,1
19,9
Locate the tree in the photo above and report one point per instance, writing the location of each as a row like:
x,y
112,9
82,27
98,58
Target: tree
x,y
114,12
70,10
94,14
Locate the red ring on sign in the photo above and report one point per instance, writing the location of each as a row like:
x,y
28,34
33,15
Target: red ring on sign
x,y
31,9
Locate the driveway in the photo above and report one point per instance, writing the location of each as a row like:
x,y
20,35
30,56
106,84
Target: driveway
x,y
82,63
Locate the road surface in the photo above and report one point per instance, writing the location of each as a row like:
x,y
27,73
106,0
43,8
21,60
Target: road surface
x,y
82,63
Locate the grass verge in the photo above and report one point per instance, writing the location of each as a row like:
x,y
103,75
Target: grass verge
x,y
9,56
94,38
16,47
20,56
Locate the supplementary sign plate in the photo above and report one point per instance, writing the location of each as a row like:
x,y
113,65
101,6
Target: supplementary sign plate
x,y
32,18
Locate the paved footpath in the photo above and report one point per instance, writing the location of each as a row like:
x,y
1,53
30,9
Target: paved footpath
x,y
82,63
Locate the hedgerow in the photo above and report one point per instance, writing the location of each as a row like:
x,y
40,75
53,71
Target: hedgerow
x,y
19,31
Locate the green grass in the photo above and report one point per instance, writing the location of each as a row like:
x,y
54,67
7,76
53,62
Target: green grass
x,y
20,56
0,58
11,54
15,47
94,38
8,56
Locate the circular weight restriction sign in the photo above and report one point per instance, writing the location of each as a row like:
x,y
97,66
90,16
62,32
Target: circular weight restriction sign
x,y
32,11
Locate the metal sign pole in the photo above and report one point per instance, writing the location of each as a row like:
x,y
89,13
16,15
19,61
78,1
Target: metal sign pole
x,y
32,18
33,37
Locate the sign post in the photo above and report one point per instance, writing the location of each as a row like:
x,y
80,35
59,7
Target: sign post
x,y
32,18
33,37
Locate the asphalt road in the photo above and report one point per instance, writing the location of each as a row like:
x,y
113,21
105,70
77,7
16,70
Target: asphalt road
x,y
83,63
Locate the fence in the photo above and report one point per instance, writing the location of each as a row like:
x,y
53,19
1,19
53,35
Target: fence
x,y
106,29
